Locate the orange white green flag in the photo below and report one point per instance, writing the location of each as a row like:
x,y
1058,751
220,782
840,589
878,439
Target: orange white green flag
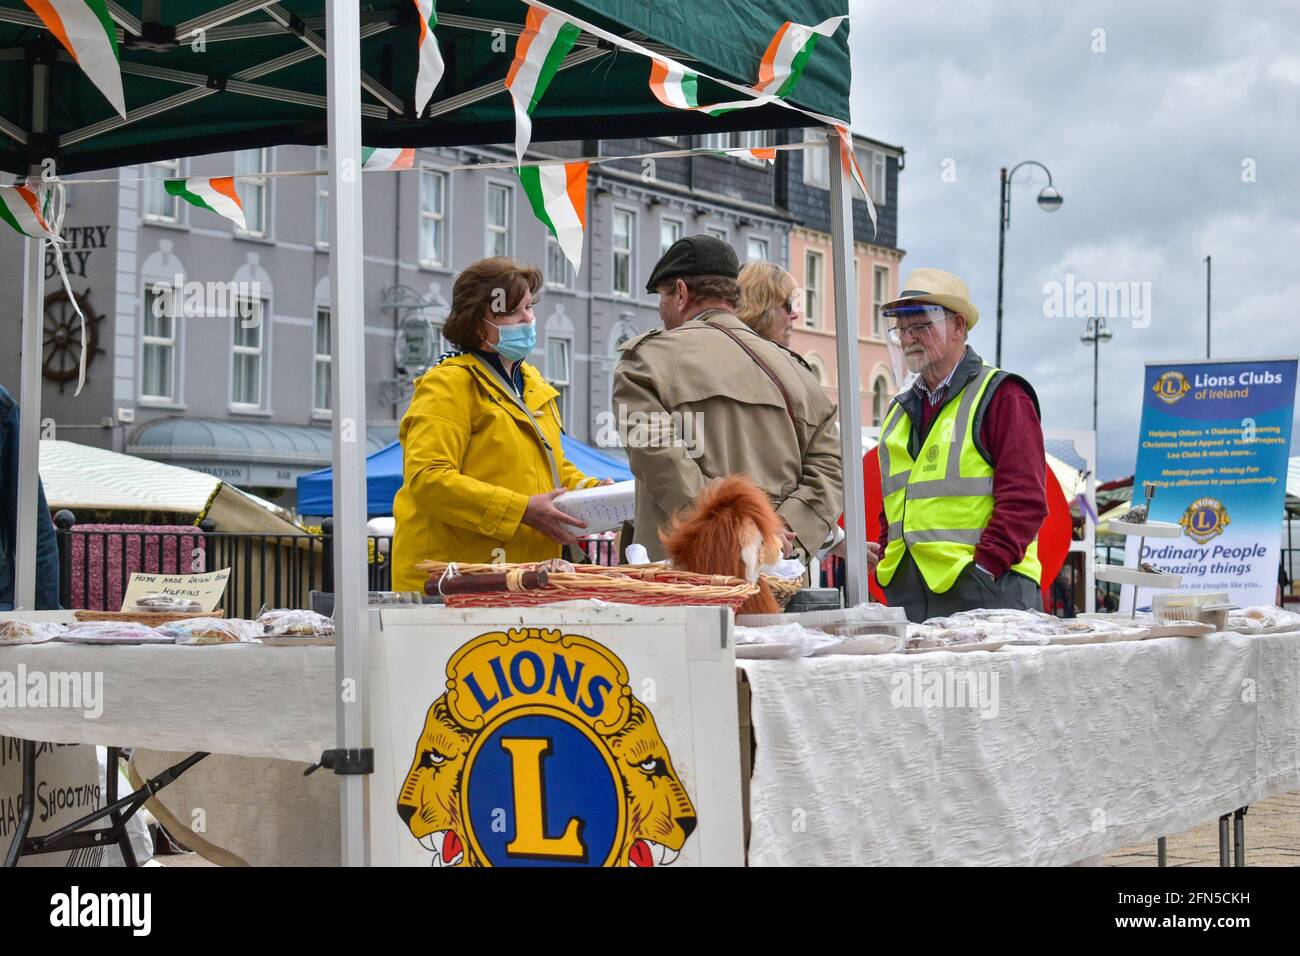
x,y
558,194
431,66
217,195
87,32
849,164
546,41
20,208
377,159
788,54
674,85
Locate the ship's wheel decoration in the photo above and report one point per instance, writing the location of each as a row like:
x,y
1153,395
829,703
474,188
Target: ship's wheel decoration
x,y
62,349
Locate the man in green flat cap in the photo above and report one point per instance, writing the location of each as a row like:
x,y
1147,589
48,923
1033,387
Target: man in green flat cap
x,y
709,397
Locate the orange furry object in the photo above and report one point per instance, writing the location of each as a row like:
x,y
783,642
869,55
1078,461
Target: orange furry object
x,y
729,521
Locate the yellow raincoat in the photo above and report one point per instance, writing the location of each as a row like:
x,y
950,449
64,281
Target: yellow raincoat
x,y
470,462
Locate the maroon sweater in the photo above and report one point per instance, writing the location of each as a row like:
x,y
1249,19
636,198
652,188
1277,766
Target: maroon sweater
x,y
1013,436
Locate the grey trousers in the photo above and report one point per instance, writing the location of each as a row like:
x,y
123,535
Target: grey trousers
x,y
972,589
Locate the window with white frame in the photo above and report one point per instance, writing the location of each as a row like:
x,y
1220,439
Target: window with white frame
x,y
433,217
754,139
717,232
879,294
559,271
559,371
160,205
756,249
818,368
670,230
252,193
816,161
715,141
322,364
879,399
812,294
499,213
624,250
875,166
158,353
322,199
249,347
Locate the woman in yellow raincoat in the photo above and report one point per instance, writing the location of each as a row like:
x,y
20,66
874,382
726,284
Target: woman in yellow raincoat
x,y
481,453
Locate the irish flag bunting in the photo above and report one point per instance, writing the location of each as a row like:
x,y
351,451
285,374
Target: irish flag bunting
x,y
217,195
788,54
374,159
546,40
559,198
849,163
431,67
21,209
674,85
87,32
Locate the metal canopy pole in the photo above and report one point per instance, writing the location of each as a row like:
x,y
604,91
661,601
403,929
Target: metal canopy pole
x,y
848,376
29,392
348,341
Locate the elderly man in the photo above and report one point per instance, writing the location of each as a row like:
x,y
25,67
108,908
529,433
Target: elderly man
x,y
706,397
961,463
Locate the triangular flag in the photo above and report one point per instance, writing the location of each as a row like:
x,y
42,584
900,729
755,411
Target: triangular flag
x,y
20,208
546,40
374,159
431,66
559,198
788,54
87,32
849,163
674,85
217,195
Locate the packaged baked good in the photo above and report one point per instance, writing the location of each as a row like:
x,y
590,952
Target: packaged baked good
x,y
291,622
161,601
29,632
113,632
212,630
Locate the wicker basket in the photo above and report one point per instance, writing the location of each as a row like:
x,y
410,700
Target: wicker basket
x,y
651,584
783,589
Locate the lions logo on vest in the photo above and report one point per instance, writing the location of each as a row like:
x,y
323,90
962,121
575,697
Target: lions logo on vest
x,y
1171,386
1204,519
537,754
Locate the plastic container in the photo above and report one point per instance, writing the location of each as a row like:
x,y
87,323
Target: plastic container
x,y
1209,608
846,623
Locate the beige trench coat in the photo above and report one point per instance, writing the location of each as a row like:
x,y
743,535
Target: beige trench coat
x,y
692,406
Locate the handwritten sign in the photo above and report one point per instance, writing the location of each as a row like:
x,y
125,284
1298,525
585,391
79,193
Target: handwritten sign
x,y
206,589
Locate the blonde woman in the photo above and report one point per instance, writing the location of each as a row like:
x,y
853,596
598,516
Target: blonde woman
x,y
767,301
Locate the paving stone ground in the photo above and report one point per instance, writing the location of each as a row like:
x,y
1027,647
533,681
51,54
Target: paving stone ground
x,y
1272,839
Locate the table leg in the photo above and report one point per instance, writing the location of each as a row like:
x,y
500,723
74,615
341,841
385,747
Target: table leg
x,y
1162,851
1224,855
1239,836
29,804
124,838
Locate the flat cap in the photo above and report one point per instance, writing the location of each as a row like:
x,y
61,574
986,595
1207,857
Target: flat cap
x,y
694,256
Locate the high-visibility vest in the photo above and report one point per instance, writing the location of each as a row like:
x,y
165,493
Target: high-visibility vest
x,y
939,503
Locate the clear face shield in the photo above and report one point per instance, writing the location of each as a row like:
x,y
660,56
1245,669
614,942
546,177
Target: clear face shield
x,y
916,336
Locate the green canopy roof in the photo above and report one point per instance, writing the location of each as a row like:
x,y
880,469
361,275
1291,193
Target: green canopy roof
x,y
259,79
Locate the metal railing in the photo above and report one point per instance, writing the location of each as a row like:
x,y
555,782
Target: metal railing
x,y
266,569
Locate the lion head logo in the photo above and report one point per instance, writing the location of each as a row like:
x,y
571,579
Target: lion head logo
x,y
538,754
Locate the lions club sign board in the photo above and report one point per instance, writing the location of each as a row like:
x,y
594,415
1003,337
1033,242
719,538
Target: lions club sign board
x,y
588,736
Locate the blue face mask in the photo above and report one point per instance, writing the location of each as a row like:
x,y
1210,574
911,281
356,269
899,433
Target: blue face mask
x,y
515,342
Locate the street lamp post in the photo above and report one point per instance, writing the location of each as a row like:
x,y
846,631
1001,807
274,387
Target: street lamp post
x,y
1096,333
1049,200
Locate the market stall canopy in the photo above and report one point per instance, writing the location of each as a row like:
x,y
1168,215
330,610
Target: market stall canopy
x,y
84,478
215,76
384,477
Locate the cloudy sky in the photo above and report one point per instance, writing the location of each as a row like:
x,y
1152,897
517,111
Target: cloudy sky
x,y
1171,129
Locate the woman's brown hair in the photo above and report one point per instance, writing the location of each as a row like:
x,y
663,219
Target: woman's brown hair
x,y
495,285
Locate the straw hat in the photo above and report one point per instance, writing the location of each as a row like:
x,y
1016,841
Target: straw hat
x,y
941,288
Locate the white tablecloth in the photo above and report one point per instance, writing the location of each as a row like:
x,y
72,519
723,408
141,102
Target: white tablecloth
x,y
246,699
1093,747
